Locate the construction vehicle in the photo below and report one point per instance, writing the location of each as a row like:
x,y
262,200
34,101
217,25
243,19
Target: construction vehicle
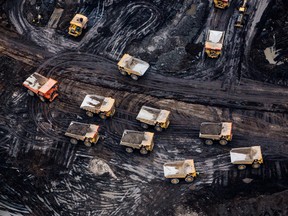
x,y
132,66
180,170
137,140
222,4
214,43
96,104
241,17
157,117
88,133
44,88
221,132
77,24
247,155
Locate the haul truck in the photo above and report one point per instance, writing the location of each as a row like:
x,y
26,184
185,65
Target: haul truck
x,y
241,17
222,4
132,66
221,132
96,104
88,133
246,156
180,170
44,88
156,117
77,24
214,43
137,140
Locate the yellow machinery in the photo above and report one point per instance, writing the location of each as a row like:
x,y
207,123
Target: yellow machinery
x,y
214,43
77,24
240,18
222,3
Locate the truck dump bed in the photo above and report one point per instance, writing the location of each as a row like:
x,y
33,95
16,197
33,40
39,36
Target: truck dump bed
x,y
152,115
35,81
214,40
136,138
211,128
179,169
134,64
245,155
96,103
81,130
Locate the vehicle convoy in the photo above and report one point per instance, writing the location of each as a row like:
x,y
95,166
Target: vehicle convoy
x,y
96,104
180,170
132,66
88,133
221,132
44,88
77,25
241,17
214,43
157,117
222,4
137,140
247,155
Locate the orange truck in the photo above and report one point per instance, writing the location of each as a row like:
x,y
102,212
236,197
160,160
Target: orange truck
x,y
45,88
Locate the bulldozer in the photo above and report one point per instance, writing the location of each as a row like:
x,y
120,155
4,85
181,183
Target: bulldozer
x,y
241,17
77,25
214,43
222,4
45,88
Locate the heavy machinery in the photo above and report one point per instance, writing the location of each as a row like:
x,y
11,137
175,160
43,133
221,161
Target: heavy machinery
x,y
77,24
150,116
180,170
214,43
96,104
132,66
222,4
241,17
137,140
84,132
247,155
44,88
221,132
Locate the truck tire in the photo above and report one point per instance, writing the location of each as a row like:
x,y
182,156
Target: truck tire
x,y
256,165
102,116
189,179
134,77
30,93
145,126
223,142
87,143
174,181
158,128
42,98
143,151
241,167
124,73
90,114
73,141
209,142
129,150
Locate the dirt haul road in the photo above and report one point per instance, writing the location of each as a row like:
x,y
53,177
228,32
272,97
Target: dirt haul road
x,y
43,174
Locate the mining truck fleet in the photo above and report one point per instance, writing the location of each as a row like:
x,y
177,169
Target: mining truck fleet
x,y
143,141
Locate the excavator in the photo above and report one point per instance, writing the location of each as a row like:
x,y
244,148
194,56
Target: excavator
x,y
222,4
241,17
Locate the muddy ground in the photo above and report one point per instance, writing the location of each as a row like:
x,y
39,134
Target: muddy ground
x,y
41,173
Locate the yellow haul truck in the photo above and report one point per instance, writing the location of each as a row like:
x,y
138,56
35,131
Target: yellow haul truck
x,y
214,43
96,104
246,156
177,170
222,4
156,117
77,24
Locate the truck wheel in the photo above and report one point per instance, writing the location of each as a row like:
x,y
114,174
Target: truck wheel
x,y
73,141
124,73
241,167
143,125
87,143
102,116
129,150
42,98
134,77
223,142
189,178
209,142
30,93
90,114
174,181
255,165
143,151
158,128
